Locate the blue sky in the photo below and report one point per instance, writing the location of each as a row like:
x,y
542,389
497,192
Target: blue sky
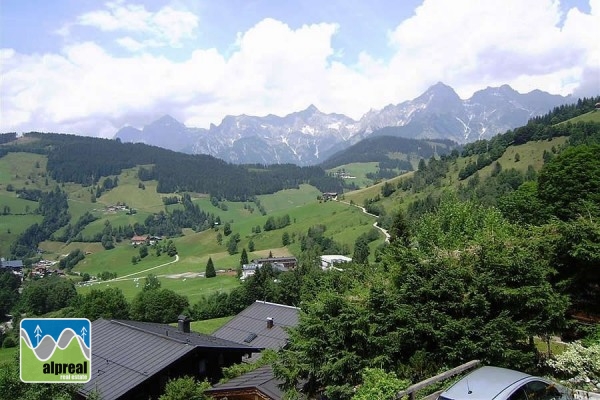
x,y
91,67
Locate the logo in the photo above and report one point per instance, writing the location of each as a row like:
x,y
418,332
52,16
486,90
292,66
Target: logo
x,y
56,350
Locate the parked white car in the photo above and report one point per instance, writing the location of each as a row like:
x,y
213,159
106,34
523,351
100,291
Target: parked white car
x,y
493,383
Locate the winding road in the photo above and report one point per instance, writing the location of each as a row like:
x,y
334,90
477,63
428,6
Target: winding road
x,y
125,277
364,210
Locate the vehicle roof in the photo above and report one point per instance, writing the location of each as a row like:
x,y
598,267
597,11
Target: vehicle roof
x,y
484,383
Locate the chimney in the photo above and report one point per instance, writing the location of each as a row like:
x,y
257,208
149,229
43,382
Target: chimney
x,y
183,323
269,322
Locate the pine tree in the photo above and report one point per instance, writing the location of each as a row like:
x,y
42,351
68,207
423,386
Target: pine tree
x,y
244,257
210,269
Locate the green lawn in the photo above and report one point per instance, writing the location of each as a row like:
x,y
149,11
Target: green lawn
x,y
192,288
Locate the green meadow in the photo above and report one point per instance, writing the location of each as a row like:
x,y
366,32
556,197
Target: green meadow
x,y
191,287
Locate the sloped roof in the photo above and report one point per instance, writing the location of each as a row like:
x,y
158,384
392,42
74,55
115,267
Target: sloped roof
x,y
253,320
11,264
126,353
261,379
192,338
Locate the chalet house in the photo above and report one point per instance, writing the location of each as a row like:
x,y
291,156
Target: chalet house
x,y
250,269
262,324
135,360
330,196
15,266
258,384
265,325
288,262
139,240
330,261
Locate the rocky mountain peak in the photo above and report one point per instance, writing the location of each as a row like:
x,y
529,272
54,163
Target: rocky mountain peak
x,y
309,136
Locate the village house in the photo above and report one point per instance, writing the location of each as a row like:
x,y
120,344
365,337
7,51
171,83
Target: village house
x,y
288,262
135,360
250,269
14,266
265,325
139,240
329,262
329,196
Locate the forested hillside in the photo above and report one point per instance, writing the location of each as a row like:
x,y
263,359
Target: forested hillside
x,y
86,160
382,149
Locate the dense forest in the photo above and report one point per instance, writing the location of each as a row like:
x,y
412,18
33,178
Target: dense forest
x,y
379,148
86,160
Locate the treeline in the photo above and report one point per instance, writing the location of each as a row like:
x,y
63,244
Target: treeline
x,y
273,223
8,137
567,111
86,160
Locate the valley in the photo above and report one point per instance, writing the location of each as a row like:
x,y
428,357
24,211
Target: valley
x,y
475,232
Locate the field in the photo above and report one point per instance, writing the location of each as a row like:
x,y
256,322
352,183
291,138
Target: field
x,y
359,171
191,287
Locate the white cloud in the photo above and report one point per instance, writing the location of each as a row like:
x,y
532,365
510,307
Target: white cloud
x,y
467,44
276,69
165,27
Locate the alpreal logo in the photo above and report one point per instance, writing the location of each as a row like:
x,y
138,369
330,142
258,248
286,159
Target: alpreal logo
x,y
56,350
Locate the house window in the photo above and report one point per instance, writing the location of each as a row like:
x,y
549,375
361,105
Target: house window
x,y
251,336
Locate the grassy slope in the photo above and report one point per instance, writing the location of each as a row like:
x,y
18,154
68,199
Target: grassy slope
x,y
592,116
359,171
530,154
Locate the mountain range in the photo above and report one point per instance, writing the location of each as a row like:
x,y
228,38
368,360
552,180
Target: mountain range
x,y
310,136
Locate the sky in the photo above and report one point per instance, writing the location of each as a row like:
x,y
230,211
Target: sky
x,y
90,67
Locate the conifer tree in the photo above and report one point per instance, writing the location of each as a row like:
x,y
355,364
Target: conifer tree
x,y
210,269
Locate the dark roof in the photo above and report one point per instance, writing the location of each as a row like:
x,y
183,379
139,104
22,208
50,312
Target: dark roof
x,y
192,338
261,379
126,353
12,264
274,259
253,320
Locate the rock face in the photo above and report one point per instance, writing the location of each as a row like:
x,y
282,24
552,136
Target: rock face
x,y
308,137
